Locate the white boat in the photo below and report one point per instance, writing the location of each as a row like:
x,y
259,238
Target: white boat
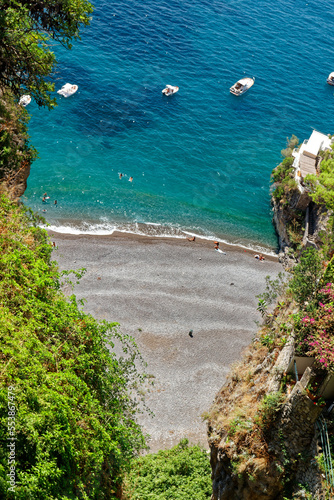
x,y
25,100
67,90
330,79
169,90
242,86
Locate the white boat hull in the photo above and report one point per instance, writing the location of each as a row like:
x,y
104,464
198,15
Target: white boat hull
x,y
170,90
241,86
25,100
67,90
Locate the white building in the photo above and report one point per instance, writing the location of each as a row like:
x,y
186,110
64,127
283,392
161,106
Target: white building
x,y
307,157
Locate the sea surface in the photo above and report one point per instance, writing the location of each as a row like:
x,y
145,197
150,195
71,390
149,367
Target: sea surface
x,y
201,159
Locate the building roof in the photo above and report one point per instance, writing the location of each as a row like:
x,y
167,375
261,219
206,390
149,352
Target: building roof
x,y
316,141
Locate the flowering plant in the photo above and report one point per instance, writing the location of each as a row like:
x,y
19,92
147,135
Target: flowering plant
x,y
316,332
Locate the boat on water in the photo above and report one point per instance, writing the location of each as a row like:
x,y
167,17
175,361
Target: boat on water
x,y
330,79
170,89
67,90
241,86
25,100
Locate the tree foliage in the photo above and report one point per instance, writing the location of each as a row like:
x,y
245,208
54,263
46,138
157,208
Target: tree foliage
x,y
180,474
283,178
291,144
322,187
27,31
75,412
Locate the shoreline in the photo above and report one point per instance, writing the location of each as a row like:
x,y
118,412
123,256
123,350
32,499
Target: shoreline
x,y
204,240
158,290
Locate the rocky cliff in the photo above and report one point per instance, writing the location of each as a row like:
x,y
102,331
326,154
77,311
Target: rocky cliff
x,y
262,440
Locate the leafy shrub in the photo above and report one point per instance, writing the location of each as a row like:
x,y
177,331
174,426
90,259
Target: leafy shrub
x,y
180,473
306,275
268,409
274,288
292,143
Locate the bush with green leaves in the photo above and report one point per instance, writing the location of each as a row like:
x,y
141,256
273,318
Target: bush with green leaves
x,y
75,407
322,186
306,276
274,288
291,144
283,178
268,408
180,473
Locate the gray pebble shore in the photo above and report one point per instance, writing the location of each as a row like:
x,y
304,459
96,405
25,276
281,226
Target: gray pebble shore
x,y
159,289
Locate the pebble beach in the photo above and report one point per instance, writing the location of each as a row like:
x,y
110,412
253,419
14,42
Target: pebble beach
x,y
158,290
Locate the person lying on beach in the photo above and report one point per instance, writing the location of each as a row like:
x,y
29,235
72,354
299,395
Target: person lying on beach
x,y
191,239
261,257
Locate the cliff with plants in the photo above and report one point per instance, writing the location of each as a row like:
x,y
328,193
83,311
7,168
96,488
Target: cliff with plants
x,y
271,427
303,206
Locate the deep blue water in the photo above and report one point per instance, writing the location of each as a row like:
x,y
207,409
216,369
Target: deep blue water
x,y
201,159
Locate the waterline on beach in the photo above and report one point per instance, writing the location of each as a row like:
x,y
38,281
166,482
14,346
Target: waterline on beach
x,y
153,230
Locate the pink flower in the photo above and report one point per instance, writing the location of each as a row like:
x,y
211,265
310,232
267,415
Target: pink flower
x,y
312,320
322,360
321,304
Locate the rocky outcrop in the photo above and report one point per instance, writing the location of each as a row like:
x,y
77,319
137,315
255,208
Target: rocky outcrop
x,y
16,182
314,220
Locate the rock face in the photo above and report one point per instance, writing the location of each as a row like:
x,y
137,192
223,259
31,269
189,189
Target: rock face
x,y
16,182
314,219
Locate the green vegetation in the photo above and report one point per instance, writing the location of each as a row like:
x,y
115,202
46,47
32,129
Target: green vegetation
x,y
322,186
73,399
177,474
15,151
283,177
291,143
268,408
306,275
28,30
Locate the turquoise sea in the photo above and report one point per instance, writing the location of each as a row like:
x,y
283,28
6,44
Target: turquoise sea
x,y
201,159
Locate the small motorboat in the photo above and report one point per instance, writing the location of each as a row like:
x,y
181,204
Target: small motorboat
x,y
67,90
242,86
25,100
330,79
169,90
